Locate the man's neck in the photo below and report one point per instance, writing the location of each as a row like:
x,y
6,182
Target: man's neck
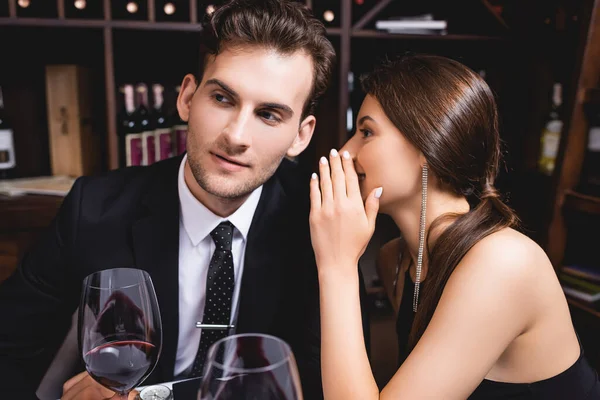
x,y
218,205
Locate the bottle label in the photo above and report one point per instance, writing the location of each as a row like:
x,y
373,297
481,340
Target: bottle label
x,y
148,148
180,138
550,141
133,149
594,139
164,144
7,148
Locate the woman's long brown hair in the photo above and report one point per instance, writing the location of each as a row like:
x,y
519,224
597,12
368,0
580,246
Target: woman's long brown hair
x,y
449,113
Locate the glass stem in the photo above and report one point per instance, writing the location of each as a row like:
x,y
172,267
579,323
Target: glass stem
x,y
120,396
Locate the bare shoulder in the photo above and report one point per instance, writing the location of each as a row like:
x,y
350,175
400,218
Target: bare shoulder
x,y
506,272
507,255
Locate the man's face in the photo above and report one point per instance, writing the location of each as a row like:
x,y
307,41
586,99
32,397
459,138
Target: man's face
x,y
244,117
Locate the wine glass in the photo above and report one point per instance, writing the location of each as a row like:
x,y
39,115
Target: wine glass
x,y
120,330
250,367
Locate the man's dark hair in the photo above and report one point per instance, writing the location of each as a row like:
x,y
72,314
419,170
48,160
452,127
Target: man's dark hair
x,y
285,26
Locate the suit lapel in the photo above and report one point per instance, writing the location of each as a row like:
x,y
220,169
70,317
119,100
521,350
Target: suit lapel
x,y
263,264
155,239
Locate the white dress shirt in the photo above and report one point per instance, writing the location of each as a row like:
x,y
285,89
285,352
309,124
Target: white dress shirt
x,y
195,251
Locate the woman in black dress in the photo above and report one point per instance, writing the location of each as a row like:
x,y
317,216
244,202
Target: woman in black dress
x,y
481,313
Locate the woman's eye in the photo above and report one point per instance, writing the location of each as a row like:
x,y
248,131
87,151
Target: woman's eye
x,y
366,133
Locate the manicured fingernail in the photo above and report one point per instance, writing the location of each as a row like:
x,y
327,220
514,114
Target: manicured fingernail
x,y
378,192
313,176
323,160
346,155
334,153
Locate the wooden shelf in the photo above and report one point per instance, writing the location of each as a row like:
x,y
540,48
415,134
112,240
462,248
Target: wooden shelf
x,y
366,33
582,202
372,290
334,31
592,96
118,24
583,306
52,22
28,212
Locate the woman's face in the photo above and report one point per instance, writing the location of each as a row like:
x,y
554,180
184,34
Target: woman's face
x,y
383,156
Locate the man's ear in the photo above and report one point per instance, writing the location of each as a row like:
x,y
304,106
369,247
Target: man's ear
x,y
302,140
184,100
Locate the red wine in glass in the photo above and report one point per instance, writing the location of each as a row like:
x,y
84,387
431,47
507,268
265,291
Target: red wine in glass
x,y
120,331
250,367
121,365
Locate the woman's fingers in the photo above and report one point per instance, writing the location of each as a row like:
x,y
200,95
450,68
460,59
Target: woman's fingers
x,y
352,186
315,193
325,181
338,177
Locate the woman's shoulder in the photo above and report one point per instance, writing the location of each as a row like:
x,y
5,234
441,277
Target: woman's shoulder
x,y
509,253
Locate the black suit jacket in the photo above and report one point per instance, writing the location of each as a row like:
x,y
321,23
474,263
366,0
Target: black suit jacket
x,y
130,217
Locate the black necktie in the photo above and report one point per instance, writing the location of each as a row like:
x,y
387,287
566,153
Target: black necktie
x,y
219,292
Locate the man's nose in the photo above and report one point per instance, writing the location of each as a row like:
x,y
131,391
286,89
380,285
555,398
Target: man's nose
x,y
237,132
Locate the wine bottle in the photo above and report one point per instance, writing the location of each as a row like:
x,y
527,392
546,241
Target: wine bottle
x,y
146,125
7,147
550,137
180,129
162,130
590,174
123,118
133,133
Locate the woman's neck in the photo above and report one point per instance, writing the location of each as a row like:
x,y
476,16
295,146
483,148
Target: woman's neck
x,y
407,217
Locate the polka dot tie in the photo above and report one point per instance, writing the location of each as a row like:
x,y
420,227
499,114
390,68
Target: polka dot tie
x,y
219,292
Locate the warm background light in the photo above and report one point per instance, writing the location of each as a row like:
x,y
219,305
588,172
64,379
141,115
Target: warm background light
x,y
132,7
210,9
23,3
328,16
80,4
169,8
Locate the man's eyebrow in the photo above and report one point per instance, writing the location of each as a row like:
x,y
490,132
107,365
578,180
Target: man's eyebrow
x,y
275,106
281,107
223,86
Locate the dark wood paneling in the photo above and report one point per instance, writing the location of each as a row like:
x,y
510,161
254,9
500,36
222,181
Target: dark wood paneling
x,y
23,219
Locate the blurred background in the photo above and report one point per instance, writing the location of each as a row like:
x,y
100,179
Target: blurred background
x,y
90,85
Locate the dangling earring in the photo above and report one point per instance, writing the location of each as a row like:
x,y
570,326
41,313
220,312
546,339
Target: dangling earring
x,y
421,236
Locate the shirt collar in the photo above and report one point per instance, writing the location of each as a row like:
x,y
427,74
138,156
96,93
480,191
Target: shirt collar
x,y
199,221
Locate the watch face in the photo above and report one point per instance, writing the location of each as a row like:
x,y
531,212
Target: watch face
x,y
156,392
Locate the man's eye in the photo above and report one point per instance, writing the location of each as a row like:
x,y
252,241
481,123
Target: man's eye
x,y
268,116
219,98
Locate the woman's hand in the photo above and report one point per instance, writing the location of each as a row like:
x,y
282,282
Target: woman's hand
x,y
340,224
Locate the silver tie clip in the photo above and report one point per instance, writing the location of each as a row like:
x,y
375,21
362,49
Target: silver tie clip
x,y
213,326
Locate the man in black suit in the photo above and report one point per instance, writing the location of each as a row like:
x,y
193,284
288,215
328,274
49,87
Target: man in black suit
x,y
267,61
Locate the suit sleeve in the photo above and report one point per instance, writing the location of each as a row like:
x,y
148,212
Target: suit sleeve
x,y
37,302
